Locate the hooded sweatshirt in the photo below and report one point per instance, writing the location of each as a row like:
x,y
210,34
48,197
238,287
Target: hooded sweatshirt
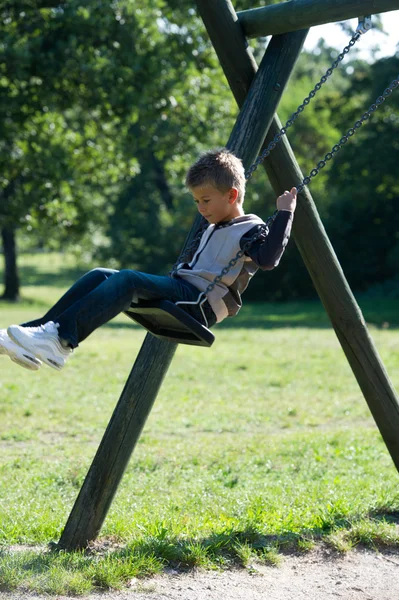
x,y
220,243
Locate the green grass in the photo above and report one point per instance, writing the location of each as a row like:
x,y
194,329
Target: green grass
x,y
259,446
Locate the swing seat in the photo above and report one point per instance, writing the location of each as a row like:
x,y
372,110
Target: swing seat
x,y
167,321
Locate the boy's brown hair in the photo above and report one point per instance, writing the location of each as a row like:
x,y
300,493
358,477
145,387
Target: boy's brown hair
x,y
220,168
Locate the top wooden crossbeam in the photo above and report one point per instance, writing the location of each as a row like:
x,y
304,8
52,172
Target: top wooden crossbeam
x,y
302,14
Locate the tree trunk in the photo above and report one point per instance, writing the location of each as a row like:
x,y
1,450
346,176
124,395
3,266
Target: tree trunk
x,y
162,182
11,279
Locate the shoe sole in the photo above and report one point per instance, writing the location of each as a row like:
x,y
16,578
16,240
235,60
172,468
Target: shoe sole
x,y
22,358
33,363
13,334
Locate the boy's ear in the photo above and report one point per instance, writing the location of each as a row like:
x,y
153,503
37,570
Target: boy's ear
x,y
233,195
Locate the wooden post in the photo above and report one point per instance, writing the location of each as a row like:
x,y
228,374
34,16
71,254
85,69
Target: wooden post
x,y
120,437
138,396
264,94
309,234
299,14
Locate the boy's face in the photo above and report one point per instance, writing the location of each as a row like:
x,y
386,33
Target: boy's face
x,y
216,206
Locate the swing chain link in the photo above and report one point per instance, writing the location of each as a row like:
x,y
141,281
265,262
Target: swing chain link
x,y
265,228
277,138
363,27
351,132
186,254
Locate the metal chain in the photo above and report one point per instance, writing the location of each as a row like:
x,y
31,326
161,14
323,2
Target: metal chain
x,y
264,229
351,132
387,92
277,138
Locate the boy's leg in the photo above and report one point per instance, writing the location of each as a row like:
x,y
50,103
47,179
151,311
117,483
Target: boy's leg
x,y
92,308
52,342
14,343
83,286
114,296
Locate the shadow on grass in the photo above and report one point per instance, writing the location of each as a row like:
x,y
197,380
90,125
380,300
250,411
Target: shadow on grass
x,y
106,564
240,547
31,276
387,515
233,547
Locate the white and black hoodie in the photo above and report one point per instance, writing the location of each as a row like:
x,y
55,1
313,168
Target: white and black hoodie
x,y
220,243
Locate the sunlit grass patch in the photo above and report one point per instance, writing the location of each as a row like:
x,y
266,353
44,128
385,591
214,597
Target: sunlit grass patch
x,y
75,573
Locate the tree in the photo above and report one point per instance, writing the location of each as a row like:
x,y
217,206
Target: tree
x,y
105,106
91,95
64,96
363,215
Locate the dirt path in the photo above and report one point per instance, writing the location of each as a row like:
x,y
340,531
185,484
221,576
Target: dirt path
x,y
359,575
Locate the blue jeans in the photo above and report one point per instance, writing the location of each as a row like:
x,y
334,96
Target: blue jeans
x,y
101,294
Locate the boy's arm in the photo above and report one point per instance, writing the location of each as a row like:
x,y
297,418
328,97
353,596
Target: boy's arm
x,y
268,250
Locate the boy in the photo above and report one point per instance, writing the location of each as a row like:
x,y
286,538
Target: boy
x,y
217,183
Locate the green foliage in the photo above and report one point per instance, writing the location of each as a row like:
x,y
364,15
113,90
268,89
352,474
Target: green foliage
x,y
104,106
363,219
62,96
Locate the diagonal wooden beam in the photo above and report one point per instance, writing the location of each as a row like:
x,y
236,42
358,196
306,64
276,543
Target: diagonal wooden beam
x,y
106,471
263,97
311,239
155,356
299,14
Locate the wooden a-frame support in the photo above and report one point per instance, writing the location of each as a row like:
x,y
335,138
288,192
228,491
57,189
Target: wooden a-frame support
x,y
255,120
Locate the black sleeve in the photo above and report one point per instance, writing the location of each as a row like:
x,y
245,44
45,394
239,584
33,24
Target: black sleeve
x,y
267,251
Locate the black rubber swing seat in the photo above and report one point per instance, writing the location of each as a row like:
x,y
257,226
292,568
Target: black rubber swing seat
x,y
167,321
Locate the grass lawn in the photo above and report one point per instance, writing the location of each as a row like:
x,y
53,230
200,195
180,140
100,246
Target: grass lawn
x,y
261,445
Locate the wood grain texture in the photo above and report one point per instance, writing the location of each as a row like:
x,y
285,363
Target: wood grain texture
x,y
264,95
119,440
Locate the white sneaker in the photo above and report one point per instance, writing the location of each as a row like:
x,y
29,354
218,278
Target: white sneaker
x,y
43,342
19,355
